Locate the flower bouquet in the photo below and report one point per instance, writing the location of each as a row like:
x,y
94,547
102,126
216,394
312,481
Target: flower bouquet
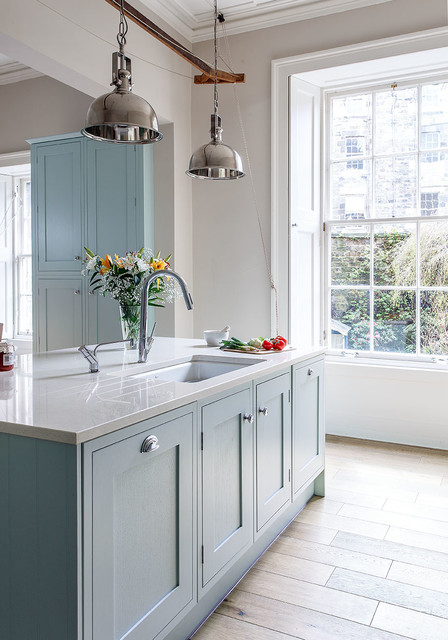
x,y
122,278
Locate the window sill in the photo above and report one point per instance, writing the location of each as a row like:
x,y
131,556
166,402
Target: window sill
x,y
385,368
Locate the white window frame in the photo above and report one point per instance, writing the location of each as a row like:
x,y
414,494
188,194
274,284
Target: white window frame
x,y
364,53
17,165
370,223
19,187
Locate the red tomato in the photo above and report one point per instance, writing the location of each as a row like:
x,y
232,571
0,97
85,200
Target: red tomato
x,y
279,345
282,339
267,345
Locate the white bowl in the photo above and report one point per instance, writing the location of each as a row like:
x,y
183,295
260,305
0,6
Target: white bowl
x,y
213,337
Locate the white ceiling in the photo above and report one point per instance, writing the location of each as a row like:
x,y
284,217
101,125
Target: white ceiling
x,y
194,18
12,71
5,60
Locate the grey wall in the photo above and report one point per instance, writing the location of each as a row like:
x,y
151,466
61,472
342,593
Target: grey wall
x,y
38,107
225,230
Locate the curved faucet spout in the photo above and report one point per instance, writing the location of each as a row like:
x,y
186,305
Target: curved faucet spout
x,y
144,344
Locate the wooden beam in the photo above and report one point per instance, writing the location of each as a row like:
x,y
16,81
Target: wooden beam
x,y
205,79
208,72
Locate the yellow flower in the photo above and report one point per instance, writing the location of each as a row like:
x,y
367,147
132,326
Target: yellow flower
x,y
160,264
118,261
107,263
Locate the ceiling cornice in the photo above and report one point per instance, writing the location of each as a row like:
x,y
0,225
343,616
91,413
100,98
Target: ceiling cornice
x,y
247,17
16,72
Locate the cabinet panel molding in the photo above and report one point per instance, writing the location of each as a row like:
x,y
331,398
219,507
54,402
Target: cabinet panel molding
x,y
273,447
227,496
308,423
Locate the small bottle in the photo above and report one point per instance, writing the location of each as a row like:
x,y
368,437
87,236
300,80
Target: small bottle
x,y
7,357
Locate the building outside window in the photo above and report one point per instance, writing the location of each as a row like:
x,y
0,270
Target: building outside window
x,y
387,220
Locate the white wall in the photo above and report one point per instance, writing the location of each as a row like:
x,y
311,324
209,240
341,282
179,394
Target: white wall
x,y
226,236
73,42
393,404
374,403
37,108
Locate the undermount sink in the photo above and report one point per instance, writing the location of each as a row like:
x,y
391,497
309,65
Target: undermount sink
x,y
198,369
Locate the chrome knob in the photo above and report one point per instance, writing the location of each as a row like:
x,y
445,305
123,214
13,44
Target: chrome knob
x,y
264,411
78,258
310,372
151,443
91,293
248,417
77,292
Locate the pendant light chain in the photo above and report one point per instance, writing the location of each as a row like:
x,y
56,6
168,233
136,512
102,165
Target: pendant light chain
x,y
122,28
215,87
252,184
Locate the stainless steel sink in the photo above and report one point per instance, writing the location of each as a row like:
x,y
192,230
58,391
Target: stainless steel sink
x,y
198,368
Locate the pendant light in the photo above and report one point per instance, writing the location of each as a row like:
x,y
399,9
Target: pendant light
x,y
121,116
215,160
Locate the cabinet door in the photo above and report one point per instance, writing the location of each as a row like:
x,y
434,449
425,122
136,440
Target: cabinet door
x,y
142,532
60,313
273,447
115,188
227,485
308,424
58,206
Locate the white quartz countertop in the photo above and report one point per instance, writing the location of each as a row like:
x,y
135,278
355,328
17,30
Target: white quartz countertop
x,y
53,396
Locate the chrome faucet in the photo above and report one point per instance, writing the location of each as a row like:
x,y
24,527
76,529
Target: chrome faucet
x,y
90,354
144,343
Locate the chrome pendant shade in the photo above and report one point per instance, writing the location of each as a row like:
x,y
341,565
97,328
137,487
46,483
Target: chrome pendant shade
x,y
121,116
215,160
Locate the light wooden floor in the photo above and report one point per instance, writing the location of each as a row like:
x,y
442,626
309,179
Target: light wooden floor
x,y
369,561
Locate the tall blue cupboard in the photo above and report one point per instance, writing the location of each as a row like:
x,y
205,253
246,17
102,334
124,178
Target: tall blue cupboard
x,y
84,194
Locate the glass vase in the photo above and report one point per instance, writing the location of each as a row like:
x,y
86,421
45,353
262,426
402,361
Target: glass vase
x,y
130,324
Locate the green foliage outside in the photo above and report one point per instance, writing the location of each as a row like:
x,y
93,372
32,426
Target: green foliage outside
x,y
395,259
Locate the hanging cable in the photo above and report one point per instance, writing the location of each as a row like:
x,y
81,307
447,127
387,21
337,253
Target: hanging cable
x,y
271,280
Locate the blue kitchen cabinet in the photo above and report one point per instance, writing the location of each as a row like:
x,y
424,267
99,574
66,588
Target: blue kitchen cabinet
x,y
61,311
104,541
58,206
308,423
87,193
140,565
272,447
226,480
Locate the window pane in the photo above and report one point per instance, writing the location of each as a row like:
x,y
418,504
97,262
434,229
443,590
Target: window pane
x,y
434,322
25,316
24,284
396,187
434,254
434,116
395,254
394,321
351,191
350,310
350,255
352,126
396,120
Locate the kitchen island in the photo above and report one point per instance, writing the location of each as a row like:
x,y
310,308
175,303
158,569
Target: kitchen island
x,y
132,502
